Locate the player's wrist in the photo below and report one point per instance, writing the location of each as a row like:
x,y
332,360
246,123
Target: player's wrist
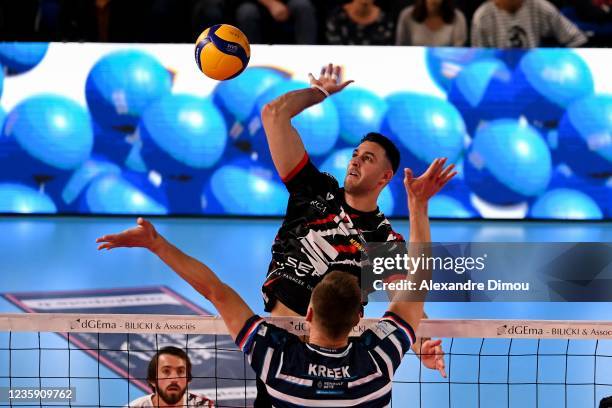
x,y
320,90
417,206
157,245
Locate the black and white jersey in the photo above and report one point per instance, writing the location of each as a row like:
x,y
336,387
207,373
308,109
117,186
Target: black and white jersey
x,y
299,374
320,233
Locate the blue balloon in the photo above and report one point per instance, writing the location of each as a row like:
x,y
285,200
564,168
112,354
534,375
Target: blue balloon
x,y
565,204
45,135
337,164
318,125
585,136
360,111
244,189
116,194
483,91
122,84
81,178
2,117
444,206
18,58
445,63
1,89
507,163
18,198
427,127
600,190
182,135
238,95
112,144
547,81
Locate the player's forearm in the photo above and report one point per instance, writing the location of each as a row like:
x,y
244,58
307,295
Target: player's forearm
x,y
232,308
198,275
409,303
292,103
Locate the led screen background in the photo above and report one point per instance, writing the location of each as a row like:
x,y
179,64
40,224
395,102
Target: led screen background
x,y
137,129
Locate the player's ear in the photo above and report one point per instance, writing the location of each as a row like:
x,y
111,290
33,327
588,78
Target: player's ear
x,y
309,314
356,319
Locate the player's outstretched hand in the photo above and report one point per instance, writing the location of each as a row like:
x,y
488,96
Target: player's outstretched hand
x,y
425,186
142,236
330,79
432,356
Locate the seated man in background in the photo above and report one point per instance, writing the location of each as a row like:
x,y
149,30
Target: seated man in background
x,y
522,24
168,375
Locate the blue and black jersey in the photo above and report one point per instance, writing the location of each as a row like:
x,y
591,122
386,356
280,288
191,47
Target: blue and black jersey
x,y
299,374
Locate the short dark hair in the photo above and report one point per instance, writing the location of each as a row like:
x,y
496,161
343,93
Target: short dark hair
x,y
388,146
336,300
175,351
447,11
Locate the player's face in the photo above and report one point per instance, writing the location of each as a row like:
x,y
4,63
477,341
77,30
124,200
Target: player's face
x,y
171,378
368,170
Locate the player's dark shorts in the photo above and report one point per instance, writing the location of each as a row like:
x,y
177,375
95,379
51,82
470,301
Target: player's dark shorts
x,y
293,295
280,288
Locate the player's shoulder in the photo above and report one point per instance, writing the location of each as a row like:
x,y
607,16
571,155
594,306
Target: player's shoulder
x,y
332,182
387,325
142,402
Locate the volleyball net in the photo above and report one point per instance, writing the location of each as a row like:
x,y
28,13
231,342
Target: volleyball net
x,y
94,360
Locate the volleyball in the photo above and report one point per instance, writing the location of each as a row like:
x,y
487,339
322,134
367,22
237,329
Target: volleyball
x,y
222,52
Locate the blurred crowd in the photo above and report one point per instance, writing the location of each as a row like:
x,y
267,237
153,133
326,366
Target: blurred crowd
x,y
482,23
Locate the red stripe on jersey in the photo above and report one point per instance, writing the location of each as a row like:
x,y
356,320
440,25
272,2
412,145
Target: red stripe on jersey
x,y
325,220
296,169
346,249
397,236
249,333
406,329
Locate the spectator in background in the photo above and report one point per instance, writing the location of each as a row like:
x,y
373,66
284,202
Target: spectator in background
x,y
295,17
360,22
432,23
522,24
169,375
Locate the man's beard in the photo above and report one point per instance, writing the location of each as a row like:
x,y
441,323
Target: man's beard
x,y
173,398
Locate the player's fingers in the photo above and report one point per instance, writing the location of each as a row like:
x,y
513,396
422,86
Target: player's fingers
x,y
322,72
436,343
330,70
432,168
448,178
337,73
446,171
104,246
440,164
442,368
311,77
408,178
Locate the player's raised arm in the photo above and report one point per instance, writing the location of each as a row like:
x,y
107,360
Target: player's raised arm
x,y
409,306
232,308
285,144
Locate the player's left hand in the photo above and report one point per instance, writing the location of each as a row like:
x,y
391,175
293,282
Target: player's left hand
x,y
425,186
432,356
